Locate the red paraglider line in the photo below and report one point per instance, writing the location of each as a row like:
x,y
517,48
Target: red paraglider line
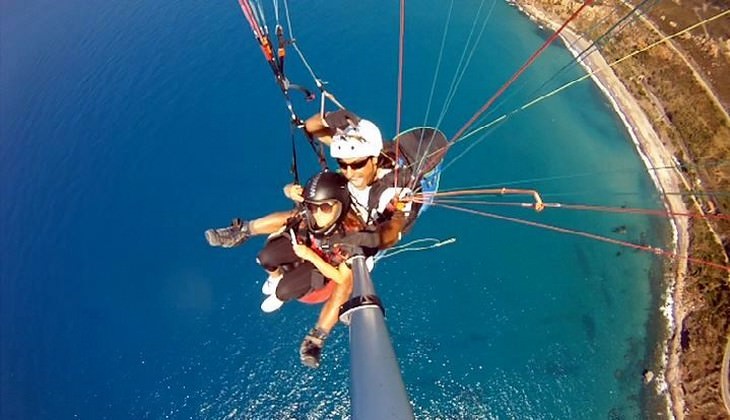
x,y
647,248
401,43
519,72
399,101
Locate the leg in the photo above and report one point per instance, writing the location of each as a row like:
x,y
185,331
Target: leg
x,y
293,284
241,230
310,351
330,313
296,282
277,252
269,224
277,258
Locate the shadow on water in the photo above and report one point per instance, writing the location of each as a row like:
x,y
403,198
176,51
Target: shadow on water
x,y
589,327
606,293
584,263
478,337
627,378
558,362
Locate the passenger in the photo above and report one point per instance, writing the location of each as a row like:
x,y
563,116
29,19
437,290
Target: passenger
x,y
307,263
300,263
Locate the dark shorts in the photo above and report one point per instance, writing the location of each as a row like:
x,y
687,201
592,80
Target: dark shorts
x,y
300,277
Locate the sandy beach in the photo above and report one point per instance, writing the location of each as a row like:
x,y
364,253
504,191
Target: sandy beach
x,y
655,154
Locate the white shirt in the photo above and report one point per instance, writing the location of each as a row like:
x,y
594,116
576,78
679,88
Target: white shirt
x,y
362,197
360,201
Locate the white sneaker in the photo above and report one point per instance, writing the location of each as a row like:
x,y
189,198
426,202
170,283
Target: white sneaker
x,y
271,303
269,286
370,263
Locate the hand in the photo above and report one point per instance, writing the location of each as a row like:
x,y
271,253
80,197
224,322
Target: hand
x,y
304,252
539,205
401,202
398,216
294,192
341,119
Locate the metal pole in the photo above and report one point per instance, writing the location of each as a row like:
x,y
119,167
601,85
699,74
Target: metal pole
x,y
377,390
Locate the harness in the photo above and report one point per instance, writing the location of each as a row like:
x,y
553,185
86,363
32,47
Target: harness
x,y
380,185
275,56
333,254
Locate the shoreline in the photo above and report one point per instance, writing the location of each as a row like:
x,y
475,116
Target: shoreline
x,y
654,154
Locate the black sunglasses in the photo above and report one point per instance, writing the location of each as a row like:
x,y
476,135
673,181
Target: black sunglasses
x,y
358,164
323,207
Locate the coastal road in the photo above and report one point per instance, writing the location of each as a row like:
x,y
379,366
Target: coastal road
x,y
693,68
725,369
725,376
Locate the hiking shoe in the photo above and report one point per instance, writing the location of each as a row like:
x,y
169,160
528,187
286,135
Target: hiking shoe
x,y
271,303
228,237
310,351
269,286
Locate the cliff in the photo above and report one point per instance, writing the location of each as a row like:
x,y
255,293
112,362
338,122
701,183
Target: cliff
x,y
683,88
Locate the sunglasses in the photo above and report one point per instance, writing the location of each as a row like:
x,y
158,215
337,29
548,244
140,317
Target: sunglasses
x,y
323,207
358,164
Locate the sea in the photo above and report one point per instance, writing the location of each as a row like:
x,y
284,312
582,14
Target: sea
x,y
129,128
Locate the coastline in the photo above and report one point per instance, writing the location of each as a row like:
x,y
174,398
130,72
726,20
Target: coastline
x,y
654,154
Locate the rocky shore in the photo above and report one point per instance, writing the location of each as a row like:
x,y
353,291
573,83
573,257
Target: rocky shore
x,y
656,153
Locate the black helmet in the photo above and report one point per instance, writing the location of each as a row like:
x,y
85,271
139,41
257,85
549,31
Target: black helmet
x,y
323,189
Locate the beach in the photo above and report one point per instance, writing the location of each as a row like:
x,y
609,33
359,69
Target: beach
x,y
655,154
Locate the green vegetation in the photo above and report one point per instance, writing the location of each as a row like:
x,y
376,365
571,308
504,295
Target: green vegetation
x,y
692,124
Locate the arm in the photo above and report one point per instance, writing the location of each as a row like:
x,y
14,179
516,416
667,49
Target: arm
x,y
316,126
395,210
273,222
338,274
294,192
324,126
390,230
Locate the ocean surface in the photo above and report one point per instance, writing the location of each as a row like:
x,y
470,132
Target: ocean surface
x,y
128,128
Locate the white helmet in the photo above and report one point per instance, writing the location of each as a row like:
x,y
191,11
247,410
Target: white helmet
x,y
360,141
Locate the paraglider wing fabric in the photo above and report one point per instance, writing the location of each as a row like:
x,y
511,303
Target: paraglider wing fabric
x,y
423,147
320,295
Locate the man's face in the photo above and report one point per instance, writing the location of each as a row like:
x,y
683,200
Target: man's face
x,y
359,171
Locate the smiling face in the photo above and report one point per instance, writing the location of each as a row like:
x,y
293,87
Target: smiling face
x,y
324,214
360,172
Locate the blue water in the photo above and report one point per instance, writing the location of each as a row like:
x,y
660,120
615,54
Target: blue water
x,y
128,128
